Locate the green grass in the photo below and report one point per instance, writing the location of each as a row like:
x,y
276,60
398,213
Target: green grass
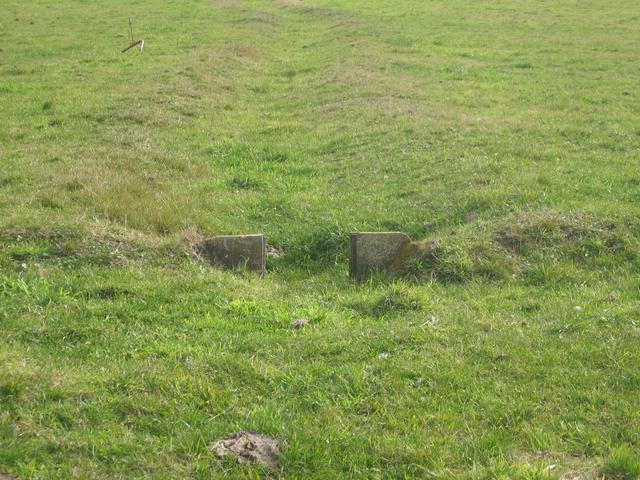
x,y
508,131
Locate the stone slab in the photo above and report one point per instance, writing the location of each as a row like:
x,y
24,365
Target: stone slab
x,y
230,252
376,252
387,252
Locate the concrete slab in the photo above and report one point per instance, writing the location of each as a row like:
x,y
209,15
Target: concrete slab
x,y
230,252
376,252
387,252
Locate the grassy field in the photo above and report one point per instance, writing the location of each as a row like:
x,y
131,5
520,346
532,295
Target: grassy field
x,y
507,130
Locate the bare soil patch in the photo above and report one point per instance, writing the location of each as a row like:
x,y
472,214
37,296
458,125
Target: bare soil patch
x,y
249,448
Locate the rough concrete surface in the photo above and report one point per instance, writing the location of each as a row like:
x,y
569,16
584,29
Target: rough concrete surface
x,y
387,252
375,251
235,251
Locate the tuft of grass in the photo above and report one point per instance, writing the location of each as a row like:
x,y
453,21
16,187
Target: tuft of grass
x,y
622,464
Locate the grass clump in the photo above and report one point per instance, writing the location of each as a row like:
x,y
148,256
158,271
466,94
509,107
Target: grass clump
x,y
320,248
622,464
522,245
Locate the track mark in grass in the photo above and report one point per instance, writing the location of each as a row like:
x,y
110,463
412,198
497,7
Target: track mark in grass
x,y
262,87
74,185
274,156
62,337
8,181
108,293
395,300
18,71
49,202
241,154
244,183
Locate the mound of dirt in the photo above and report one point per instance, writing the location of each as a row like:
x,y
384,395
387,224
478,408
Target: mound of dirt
x,y
249,448
300,323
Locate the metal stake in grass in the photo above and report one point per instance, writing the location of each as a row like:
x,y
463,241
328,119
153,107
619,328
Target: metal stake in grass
x,y
137,43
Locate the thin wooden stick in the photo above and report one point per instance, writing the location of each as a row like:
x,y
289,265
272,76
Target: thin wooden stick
x,y
139,42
